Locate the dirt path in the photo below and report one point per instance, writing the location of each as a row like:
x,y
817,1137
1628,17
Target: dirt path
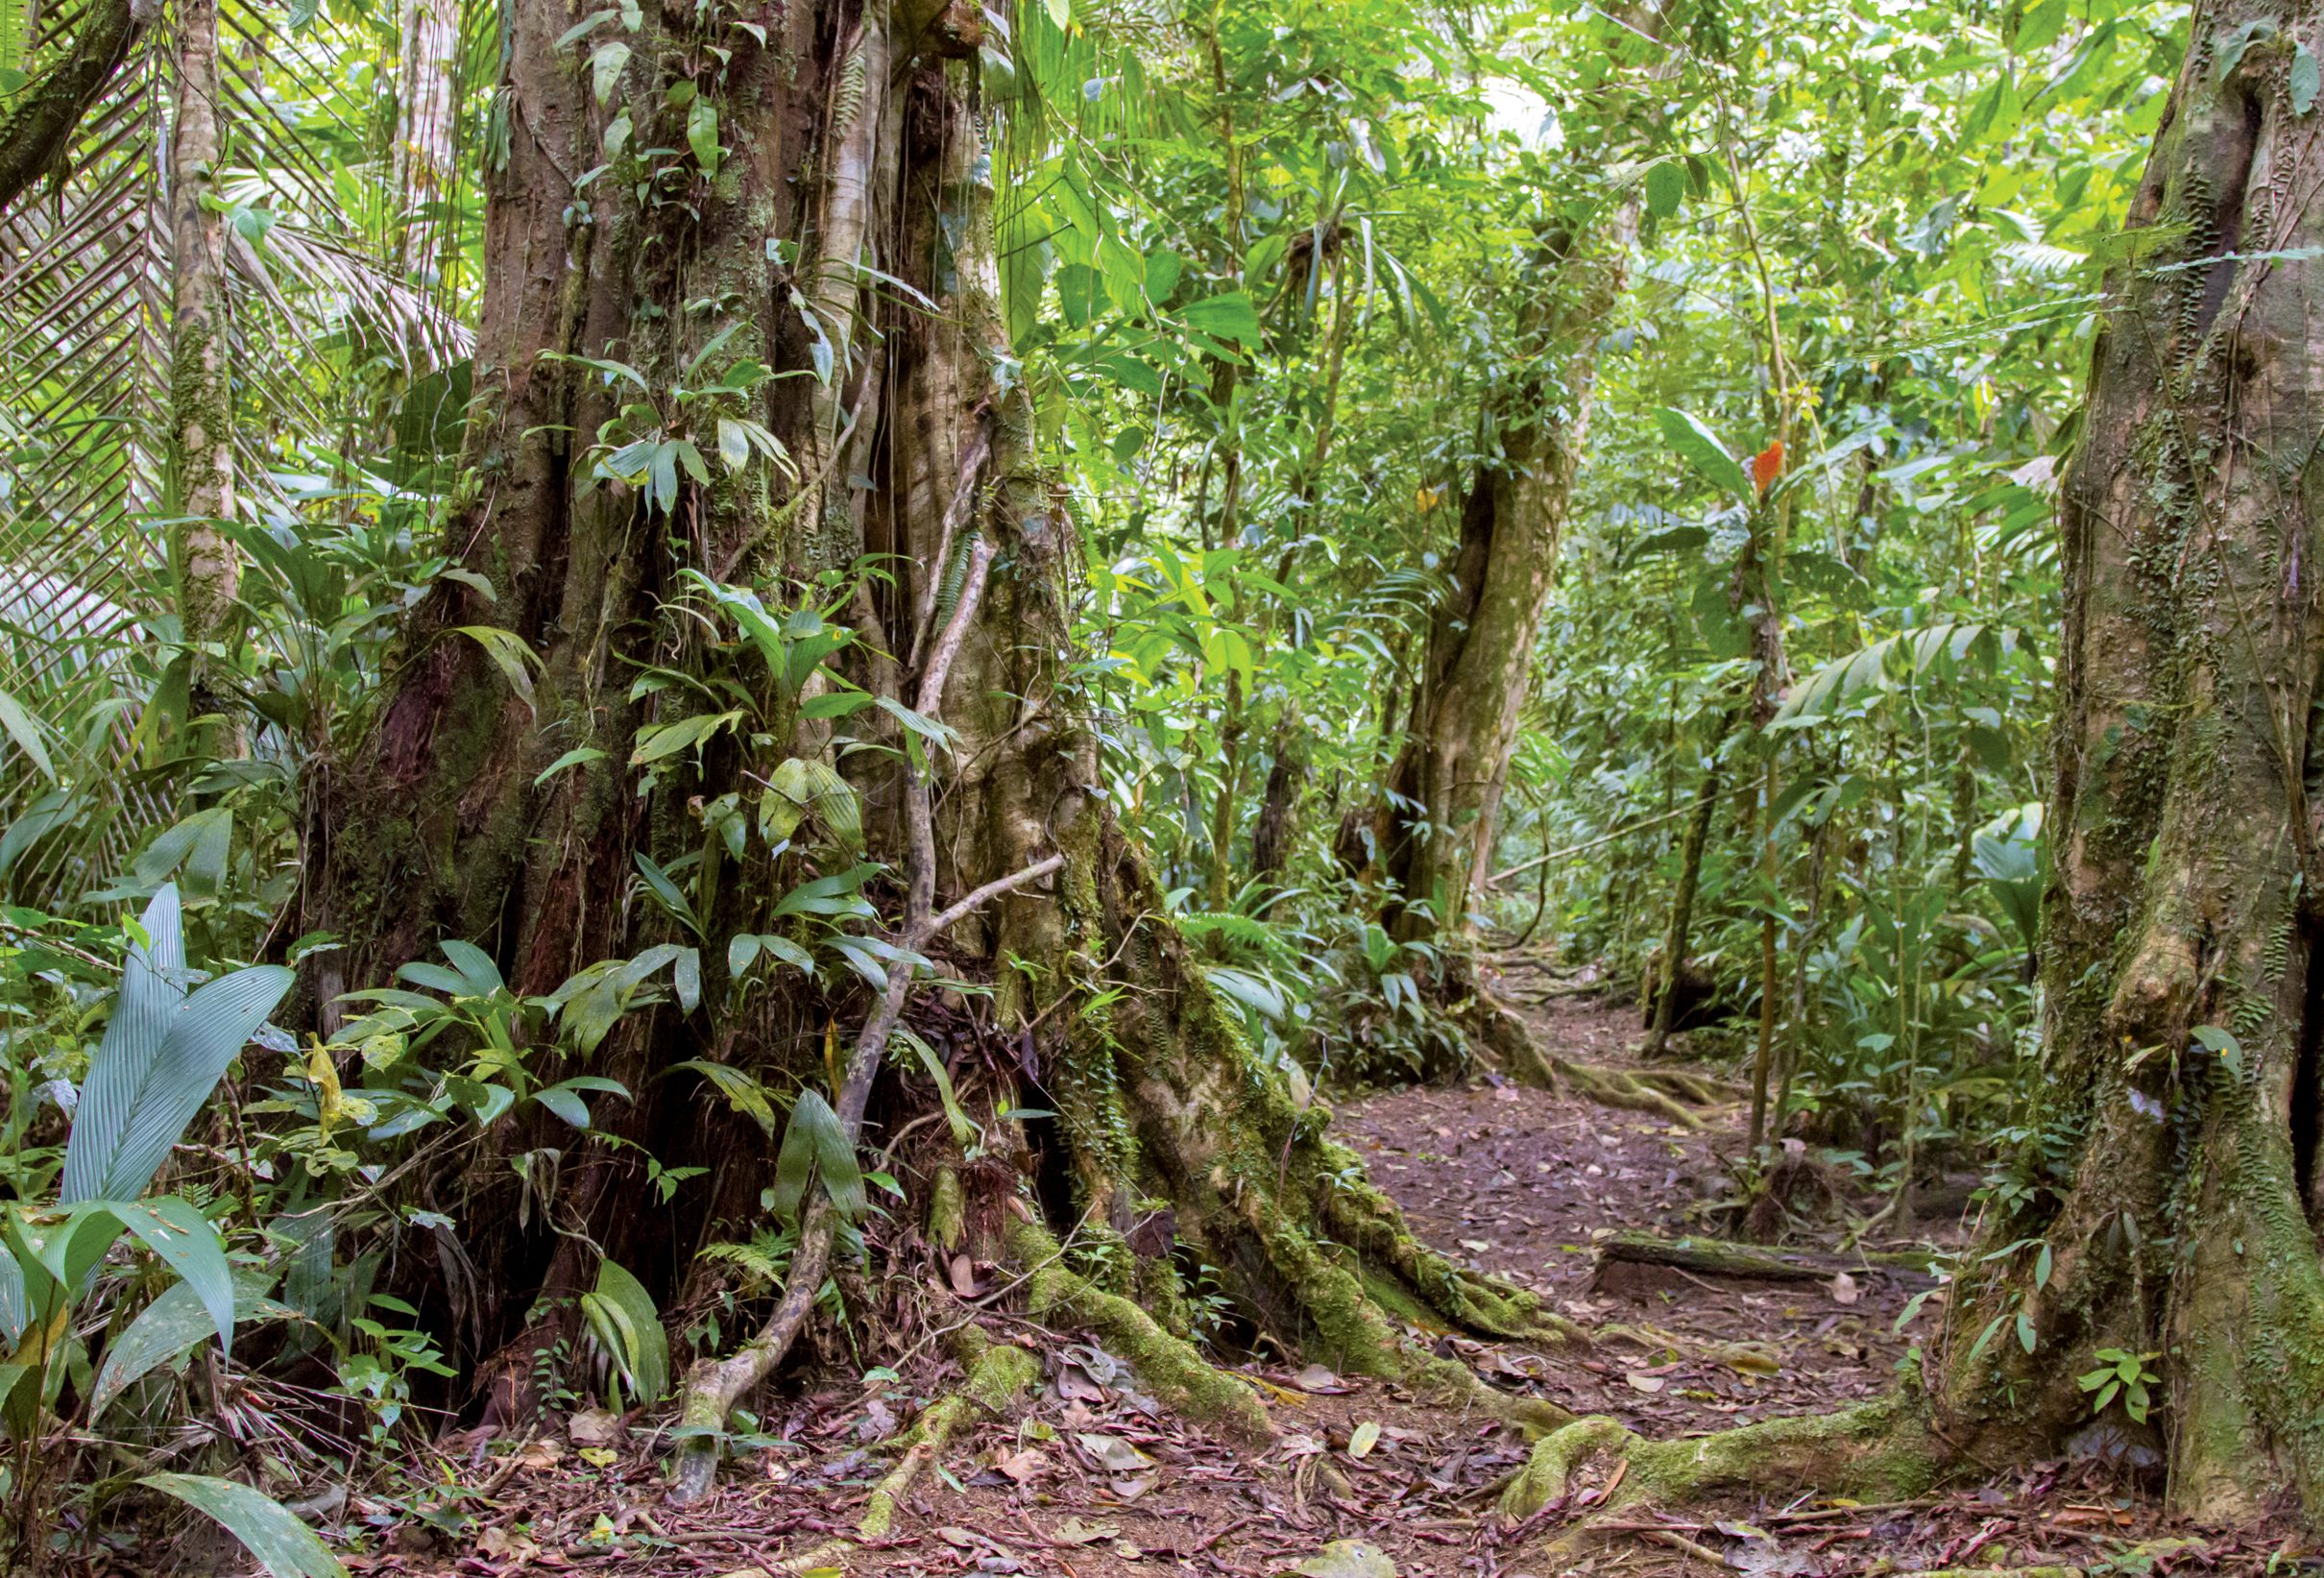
x,y
1096,1481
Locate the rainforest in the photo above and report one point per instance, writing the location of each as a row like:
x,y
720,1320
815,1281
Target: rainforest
x,y
1376,788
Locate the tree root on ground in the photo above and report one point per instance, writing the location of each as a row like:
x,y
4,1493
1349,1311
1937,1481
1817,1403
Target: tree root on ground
x,y
1749,1358
1196,1389
1880,1451
1506,1042
1178,1375
998,1375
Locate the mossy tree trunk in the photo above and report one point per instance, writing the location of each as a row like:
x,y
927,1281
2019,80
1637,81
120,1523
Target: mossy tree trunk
x,y
838,155
2173,1208
201,399
1436,829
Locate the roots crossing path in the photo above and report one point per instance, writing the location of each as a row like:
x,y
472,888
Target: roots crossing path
x,y
1060,1460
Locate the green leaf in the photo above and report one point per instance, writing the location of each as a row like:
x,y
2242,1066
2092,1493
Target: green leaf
x,y
566,1103
268,1531
509,653
166,1329
658,881
964,1130
702,135
657,741
1699,447
479,976
182,1237
1227,317
742,1089
1665,188
605,65
163,1053
570,758
2026,1338
25,730
2229,1050
814,1140
2303,84
645,1355
1124,267
838,894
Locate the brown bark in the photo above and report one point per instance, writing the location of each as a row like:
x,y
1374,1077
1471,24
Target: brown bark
x,y
2182,909
1478,661
443,827
1670,971
38,127
1275,832
201,409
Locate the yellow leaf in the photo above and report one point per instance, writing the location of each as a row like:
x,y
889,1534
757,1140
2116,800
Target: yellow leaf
x,y
1366,1436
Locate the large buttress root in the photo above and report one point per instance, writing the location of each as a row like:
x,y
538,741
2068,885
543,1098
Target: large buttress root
x,y
1880,1451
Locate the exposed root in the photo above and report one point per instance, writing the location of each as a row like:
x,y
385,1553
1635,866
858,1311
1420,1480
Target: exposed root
x,y
1178,1375
1454,1383
1746,1358
1880,1451
1623,1088
997,1374
1181,1377
1757,1263
1555,1457
1504,1041
1358,1215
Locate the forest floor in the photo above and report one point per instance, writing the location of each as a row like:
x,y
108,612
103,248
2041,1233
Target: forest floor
x,y
1094,1480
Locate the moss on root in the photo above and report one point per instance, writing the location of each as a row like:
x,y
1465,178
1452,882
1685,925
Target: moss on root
x,y
1554,1458
1177,1375
1881,1450
999,1374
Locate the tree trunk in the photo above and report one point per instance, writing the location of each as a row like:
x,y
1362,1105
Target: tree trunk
x,y
423,154
2180,953
38,125
1662,990
840,157
1277,829
1477,667
202,397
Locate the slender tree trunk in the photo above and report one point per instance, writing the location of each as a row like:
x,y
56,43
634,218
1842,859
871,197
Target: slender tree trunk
x,y
1672,967
1275,831
423,154
836,155
42,116
202,397
1763,1056
2180,953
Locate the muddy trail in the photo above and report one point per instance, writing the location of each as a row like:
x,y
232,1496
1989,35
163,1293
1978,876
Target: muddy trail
x,y
1092,1479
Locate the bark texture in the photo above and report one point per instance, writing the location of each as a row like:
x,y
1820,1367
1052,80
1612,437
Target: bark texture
x,y
202,395
840,154
39,127
423,154
1477,665
2175,1171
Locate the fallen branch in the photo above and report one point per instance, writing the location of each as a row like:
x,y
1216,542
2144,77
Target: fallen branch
x,y
1717,1257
